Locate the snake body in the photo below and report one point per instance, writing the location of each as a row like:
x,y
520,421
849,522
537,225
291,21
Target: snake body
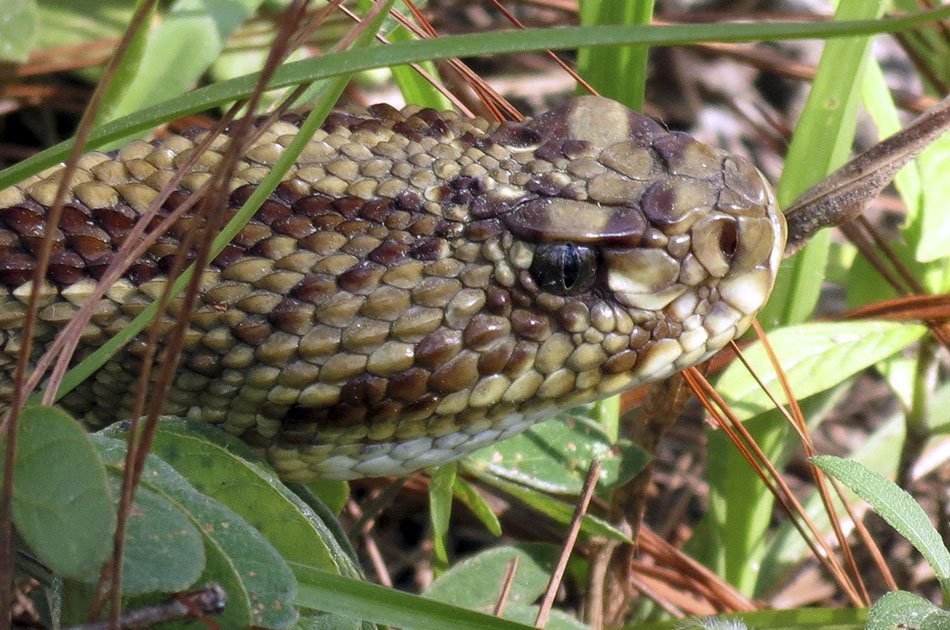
x,y
419,286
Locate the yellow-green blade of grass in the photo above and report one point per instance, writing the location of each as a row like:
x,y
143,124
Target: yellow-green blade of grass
x,y
319,590
821,142
440,510
924,187
336,64
603,66
415,88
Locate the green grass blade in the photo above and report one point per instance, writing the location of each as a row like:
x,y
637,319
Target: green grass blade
x,y
337,64
602,65
319,590
821,143
440,509
477,505
415,88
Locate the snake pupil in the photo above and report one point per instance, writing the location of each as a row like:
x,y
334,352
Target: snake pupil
x,y
564,268
569,266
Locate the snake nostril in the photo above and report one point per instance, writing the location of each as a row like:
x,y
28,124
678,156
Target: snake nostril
x,y
729,240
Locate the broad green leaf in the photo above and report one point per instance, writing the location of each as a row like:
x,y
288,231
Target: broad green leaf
x,y
936,620
68,22
555,456
900,609
815,357
440,508
477,504
351,598
62,501
222,467
476,582
241,552
18,25
219,568
163,548
558,511
896,507
350,566
190,37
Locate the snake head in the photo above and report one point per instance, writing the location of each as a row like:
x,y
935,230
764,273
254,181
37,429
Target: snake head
x,y
655,240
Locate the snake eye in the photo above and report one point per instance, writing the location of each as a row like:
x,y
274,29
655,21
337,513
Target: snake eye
x,y
564,268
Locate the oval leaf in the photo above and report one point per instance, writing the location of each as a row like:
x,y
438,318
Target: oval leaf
x,y
899,609
62,503
177,52
239,553
895,506
815,357
555,456
225,469
163,549
476,583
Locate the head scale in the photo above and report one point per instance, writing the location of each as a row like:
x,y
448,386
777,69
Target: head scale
x,y
658,248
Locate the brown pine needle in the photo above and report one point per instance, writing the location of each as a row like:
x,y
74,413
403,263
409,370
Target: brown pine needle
x,y
590,482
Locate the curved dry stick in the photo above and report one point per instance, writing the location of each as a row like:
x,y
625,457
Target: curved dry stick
x,y
842,196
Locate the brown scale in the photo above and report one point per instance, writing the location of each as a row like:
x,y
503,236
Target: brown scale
x,y
557,261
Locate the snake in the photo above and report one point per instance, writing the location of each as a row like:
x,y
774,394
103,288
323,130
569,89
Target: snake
x,y
420,285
